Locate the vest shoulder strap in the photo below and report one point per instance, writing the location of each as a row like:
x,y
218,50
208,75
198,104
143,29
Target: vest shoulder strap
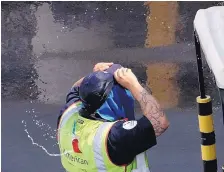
x,y
97,144
71,110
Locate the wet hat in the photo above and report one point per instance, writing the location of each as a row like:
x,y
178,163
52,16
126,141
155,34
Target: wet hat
x,y
96,87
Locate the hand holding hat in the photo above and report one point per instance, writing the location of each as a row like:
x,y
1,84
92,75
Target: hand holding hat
x,y
102,66
126,78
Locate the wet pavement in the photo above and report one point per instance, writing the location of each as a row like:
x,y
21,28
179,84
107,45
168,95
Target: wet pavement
x,y
48,46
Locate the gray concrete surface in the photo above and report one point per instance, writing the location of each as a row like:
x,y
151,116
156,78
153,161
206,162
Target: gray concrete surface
x,y
46,46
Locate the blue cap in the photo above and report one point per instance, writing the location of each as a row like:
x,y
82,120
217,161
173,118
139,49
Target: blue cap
x,y
95,87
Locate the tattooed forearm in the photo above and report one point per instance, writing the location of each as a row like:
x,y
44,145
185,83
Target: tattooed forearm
x,y
152,110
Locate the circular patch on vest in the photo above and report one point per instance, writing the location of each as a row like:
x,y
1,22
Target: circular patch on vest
x,y
129,125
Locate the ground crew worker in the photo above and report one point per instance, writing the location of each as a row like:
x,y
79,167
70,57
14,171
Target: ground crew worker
x,y
93,143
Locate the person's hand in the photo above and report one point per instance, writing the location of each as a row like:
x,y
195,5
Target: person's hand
x,y
126,78
102,66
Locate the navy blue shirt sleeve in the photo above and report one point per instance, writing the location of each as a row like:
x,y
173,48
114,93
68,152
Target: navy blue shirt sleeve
x,y
128,139
73,95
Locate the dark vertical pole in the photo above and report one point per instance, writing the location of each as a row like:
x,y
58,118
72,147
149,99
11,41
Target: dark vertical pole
x,y
205,118
200,68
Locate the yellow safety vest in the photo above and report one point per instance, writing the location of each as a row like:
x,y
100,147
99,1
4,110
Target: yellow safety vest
x,y
89,138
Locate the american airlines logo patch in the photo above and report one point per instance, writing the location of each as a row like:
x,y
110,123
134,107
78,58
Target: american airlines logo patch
x,y
129,125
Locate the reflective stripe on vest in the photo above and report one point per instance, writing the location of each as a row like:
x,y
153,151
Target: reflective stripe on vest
x,y
72,109
141,163
97,147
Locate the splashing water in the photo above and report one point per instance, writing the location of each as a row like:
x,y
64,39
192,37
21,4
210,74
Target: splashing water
x,y
40,125
50,133
50,154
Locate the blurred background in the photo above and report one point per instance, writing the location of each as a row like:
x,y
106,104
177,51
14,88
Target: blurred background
x,y
47,46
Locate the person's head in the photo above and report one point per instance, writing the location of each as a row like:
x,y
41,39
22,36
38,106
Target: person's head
x,y
96,89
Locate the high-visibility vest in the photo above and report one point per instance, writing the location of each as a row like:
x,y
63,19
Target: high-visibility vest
x,y
83,148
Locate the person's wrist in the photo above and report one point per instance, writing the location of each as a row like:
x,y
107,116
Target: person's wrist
x,y
135,87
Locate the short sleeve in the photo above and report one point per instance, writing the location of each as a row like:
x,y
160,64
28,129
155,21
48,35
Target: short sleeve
x,y
73,95
127,139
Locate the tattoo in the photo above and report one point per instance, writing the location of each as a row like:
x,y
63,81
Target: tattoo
x,y
152,111
146,88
